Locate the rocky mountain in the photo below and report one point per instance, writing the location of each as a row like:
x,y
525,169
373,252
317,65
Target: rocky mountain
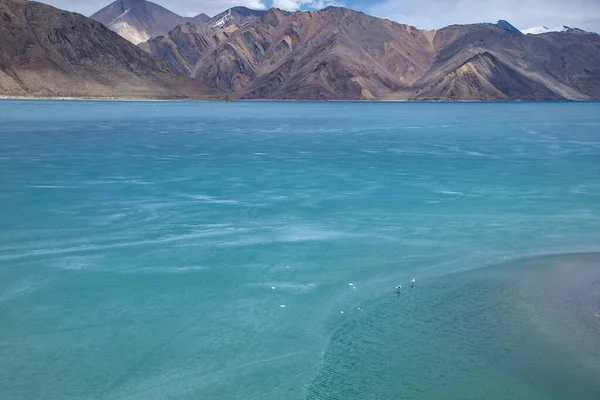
x,y
140,20
538,30
331,54
47,52
232,17
484,77
565,65
337,53
184,45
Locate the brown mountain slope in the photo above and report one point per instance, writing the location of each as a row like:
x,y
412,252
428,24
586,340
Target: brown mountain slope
x,y
331,54
48,52
140,20
184,45
338,53
553,61
484,77
573,58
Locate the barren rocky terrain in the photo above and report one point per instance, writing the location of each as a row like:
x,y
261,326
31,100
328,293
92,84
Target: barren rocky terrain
x,y
338,53
46,52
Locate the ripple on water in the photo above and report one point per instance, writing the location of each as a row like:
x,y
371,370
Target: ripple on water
x,y
502,332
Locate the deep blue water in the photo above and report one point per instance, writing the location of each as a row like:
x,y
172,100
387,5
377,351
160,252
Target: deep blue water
x,y
153,250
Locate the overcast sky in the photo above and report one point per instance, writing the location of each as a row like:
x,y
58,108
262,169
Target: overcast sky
x,y
425,14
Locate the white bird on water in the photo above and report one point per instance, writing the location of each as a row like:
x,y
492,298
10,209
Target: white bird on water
x,y
398,288
412,282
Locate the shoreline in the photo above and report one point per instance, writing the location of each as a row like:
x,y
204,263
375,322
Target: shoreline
x,y
229,100
124,99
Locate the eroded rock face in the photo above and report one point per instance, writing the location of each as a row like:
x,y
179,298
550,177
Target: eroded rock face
x,y
184,45
341,54
48,52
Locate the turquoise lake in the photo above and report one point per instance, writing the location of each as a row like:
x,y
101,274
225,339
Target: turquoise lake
x,y
250,250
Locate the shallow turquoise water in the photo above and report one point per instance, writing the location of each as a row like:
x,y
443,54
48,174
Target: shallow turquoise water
x,y
140,244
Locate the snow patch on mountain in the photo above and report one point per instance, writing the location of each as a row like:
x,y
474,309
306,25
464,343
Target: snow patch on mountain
x,y
222,21
538,30
120,17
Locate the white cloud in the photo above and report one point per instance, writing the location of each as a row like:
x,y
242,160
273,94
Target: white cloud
x,y
293,5
212,7
433,14
287,4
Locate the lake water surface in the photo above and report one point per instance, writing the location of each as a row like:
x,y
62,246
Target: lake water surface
x,y
175,250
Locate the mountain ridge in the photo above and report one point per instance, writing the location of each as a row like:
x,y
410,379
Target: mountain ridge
x,y
330,54
338,53
141,20
47,52
141,28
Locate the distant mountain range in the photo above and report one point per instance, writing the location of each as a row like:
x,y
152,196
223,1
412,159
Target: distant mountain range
x,y
140,20
338,53
47,52
332,54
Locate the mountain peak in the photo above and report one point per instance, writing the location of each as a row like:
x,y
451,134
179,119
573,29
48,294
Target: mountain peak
x,y
507,26
238,15
337,9
138,20
131,3
200,19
